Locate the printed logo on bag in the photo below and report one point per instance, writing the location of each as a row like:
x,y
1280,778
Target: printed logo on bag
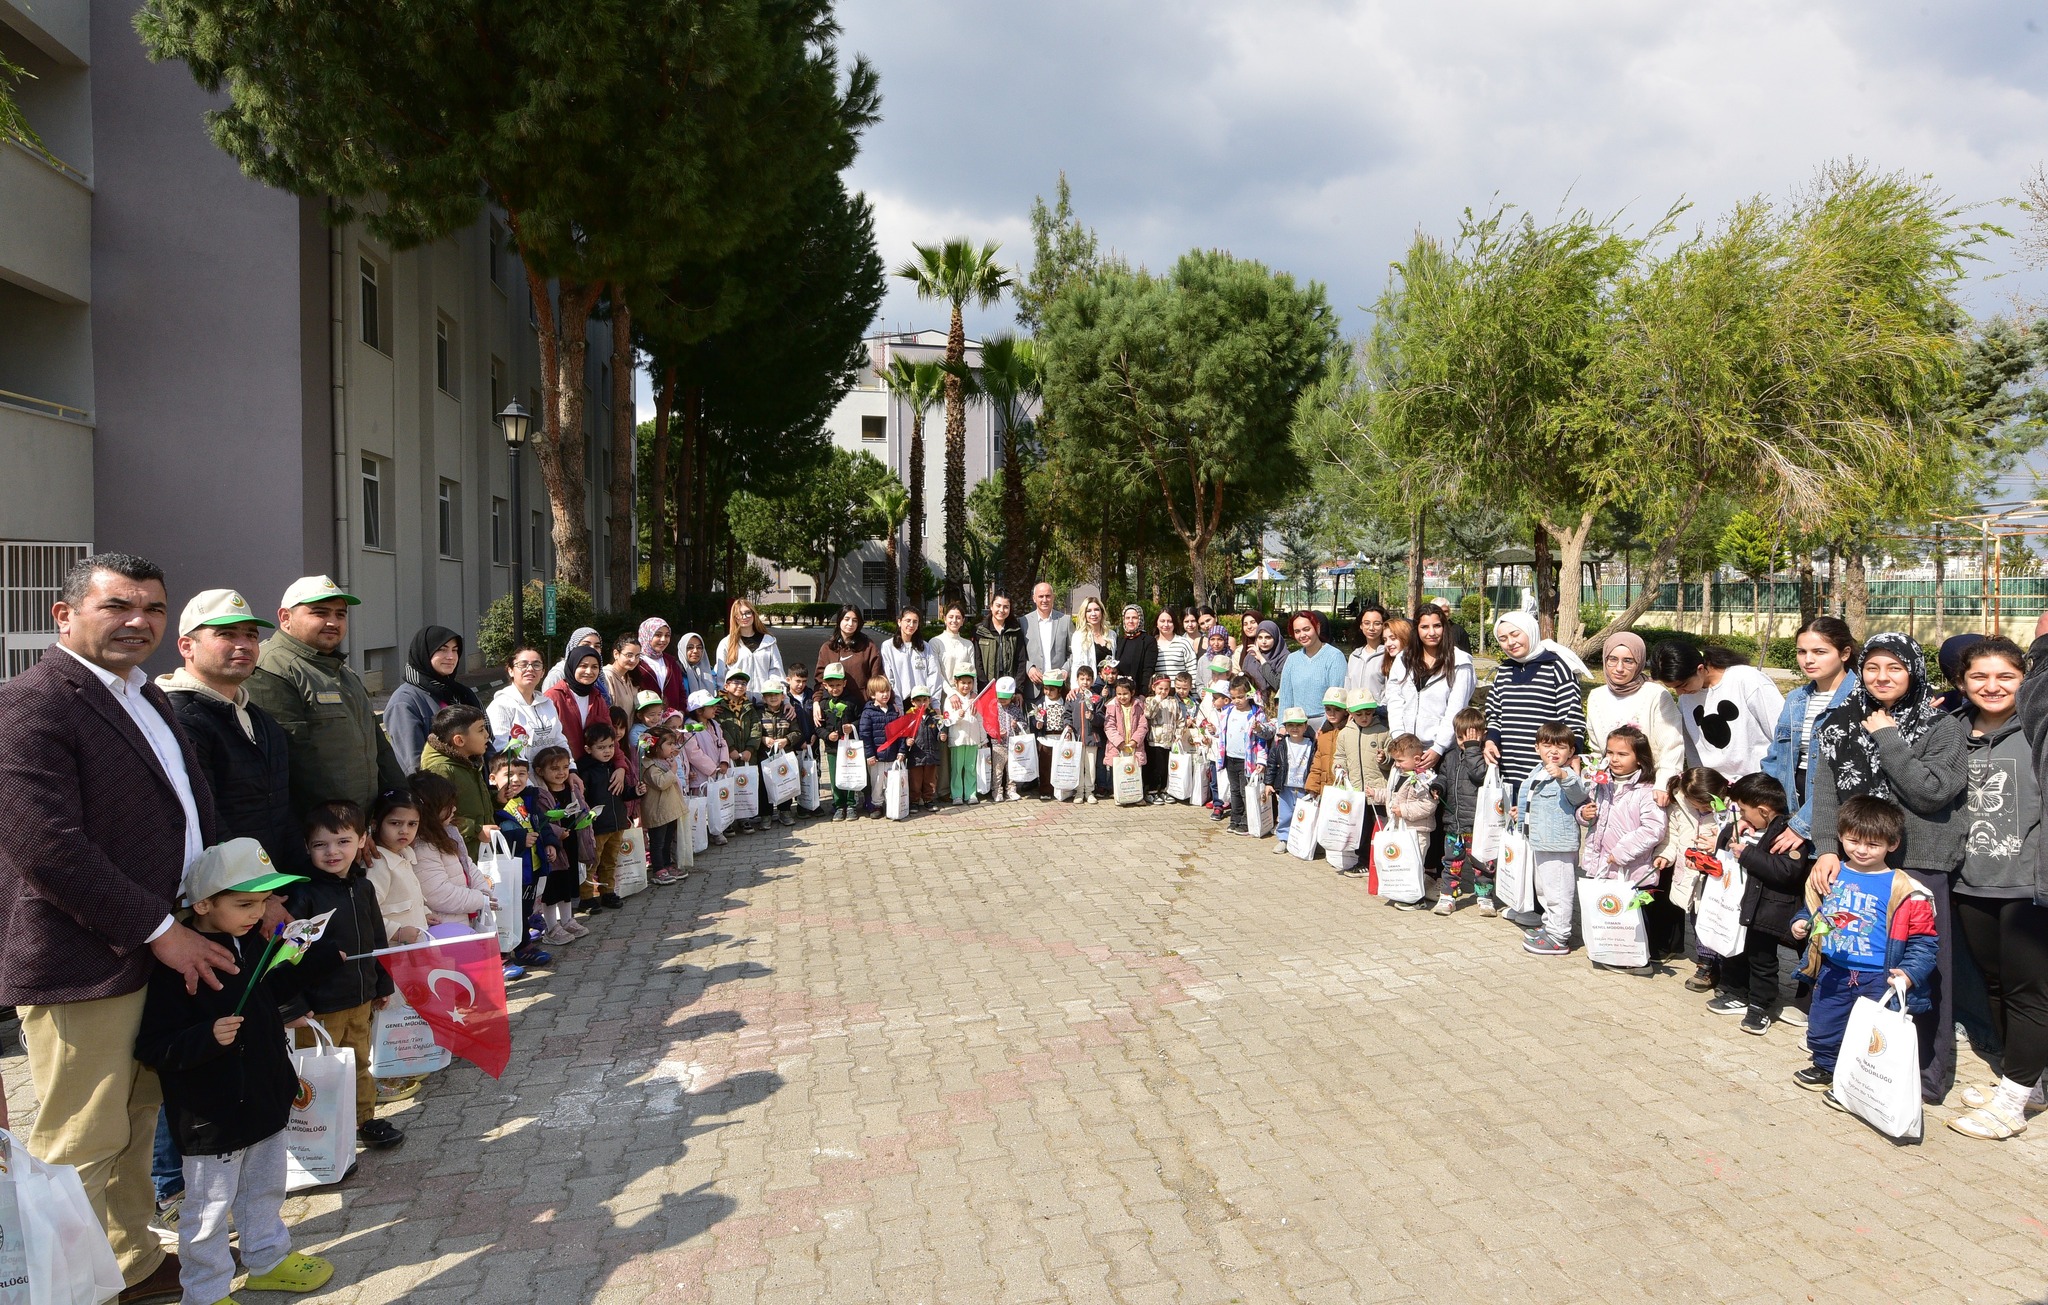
x,y
303,1098
1390,850
1609,904
724,792
739,781
1344,806
1507,855
1876,1043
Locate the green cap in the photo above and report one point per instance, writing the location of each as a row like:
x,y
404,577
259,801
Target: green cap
x,y
1294,716
316,589
1055,679
1335,698
218,607
239,865
834,672
1362,702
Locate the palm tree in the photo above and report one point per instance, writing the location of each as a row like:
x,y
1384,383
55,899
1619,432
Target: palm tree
x,y
957,272
920,385
1009,377
890,505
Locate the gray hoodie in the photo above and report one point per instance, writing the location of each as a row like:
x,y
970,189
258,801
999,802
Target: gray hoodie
x,y
2003,814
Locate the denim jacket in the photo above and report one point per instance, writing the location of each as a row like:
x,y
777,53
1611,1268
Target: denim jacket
x,y
1549,810
1783,759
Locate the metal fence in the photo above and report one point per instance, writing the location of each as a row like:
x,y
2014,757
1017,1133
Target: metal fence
x,y
1960,598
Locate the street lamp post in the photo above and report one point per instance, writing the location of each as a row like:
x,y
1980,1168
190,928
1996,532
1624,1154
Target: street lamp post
x,y
516,422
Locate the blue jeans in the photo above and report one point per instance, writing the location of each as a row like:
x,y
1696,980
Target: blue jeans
x,y
1284,818
167,1166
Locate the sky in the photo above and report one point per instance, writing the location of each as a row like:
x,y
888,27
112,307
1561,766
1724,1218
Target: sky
x,y
1319,137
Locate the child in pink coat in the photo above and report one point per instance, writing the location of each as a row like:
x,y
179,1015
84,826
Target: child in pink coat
x,y
1628,825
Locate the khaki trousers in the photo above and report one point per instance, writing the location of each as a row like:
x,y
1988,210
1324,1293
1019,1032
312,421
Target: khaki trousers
x,y
604,875
98,1114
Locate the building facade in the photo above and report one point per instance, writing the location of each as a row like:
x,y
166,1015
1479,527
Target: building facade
x,y
871,419
203,371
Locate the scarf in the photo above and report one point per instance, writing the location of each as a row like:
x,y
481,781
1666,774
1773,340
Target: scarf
x,y
1850,749
419,668
1264,667
1526,623
1634,643
574,658
660,665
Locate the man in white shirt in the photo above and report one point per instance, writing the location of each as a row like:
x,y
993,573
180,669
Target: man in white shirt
x,y
107,807
1048,638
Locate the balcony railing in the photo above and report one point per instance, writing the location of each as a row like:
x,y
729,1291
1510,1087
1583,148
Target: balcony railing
x,y
49,160
48,407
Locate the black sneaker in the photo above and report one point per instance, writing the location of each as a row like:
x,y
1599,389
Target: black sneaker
x,y
612,901
1813,1078
1728,1006
1757,1022
379,1135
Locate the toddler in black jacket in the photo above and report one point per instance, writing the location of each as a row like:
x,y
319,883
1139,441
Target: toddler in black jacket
x,y
228,1080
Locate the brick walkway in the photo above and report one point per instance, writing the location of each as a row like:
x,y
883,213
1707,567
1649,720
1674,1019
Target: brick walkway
x,y
1026,1053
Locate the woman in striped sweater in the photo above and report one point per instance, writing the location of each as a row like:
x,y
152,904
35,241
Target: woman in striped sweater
x,y
1537,683
1174,654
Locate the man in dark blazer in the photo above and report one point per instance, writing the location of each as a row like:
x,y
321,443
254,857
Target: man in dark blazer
x,y
107,805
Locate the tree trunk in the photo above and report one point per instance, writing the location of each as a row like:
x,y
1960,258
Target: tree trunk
x,y
893,559
564,346
1539,572
1653,578
1416,526
1940,578
657,484
1707,601
625,539
687,524
1809,599
956,461
1856,590
1198,567
917,593
1678,618
1012,569
704,543
1570,563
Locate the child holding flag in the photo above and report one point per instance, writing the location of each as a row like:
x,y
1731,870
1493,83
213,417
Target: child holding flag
x,y
965,735
346,1000
228,1080
924,749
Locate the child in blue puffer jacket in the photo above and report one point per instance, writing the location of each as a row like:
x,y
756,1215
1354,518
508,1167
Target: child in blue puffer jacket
x,y
1549,809
875,720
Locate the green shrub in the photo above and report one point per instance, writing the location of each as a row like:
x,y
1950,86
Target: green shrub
x,y
798,613
494,632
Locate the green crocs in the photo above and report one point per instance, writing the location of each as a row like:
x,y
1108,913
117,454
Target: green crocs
x,y
295,1272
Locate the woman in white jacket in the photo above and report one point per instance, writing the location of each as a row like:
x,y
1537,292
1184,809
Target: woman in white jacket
x,y
908,662
523,719
952,647
749,647
1430,682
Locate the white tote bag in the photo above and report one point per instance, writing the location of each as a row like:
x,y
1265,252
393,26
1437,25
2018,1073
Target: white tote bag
x,y
1179,777
402,1044
1490,817
1397,858
779,778
746,791
1127,781
985,771
1878,1073
500,869
1258,808
807,795
1200,771
1023,759
629,869
1612,924
1301,830
321,1134
850,771
1514,872
53,1250
1340,818
1718,918
1066,765
1219,775
896,792
722,805
699,805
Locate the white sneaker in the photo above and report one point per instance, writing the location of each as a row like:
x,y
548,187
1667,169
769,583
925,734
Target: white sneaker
x,y
1280,848
557,936
576,928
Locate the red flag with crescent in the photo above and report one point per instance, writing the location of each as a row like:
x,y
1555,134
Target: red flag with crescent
x,y
459,990
903,727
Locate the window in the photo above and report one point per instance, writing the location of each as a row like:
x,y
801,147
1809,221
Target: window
x,y
448,516
874,430
497,387
604,385
444,355
533,549
497,253
372,307
800,593
604,462
500,512
373,503
874,575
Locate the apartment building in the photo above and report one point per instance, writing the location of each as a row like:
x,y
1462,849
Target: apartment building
x,y
201,370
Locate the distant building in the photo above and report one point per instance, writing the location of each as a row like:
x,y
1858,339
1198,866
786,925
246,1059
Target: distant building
x,y
871,419
198,369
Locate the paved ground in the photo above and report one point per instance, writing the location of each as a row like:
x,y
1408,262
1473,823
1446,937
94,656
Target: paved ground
x,y
1025,1053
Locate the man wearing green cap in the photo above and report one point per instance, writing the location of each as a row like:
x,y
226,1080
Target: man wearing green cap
x,y
241,748
337,749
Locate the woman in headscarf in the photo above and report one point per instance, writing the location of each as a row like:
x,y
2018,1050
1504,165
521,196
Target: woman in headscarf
x,y
1430,682
431,665
1215,646
1890,740
659,668
1134,650
584,635
579,696
699,670
1263,657
1631,697
1537,683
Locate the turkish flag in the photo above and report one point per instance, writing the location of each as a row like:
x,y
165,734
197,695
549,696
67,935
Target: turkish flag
x,y
990,711
459,990
903,726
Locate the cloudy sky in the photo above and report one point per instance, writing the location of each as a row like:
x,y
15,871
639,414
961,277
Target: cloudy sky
x,y
1318,136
